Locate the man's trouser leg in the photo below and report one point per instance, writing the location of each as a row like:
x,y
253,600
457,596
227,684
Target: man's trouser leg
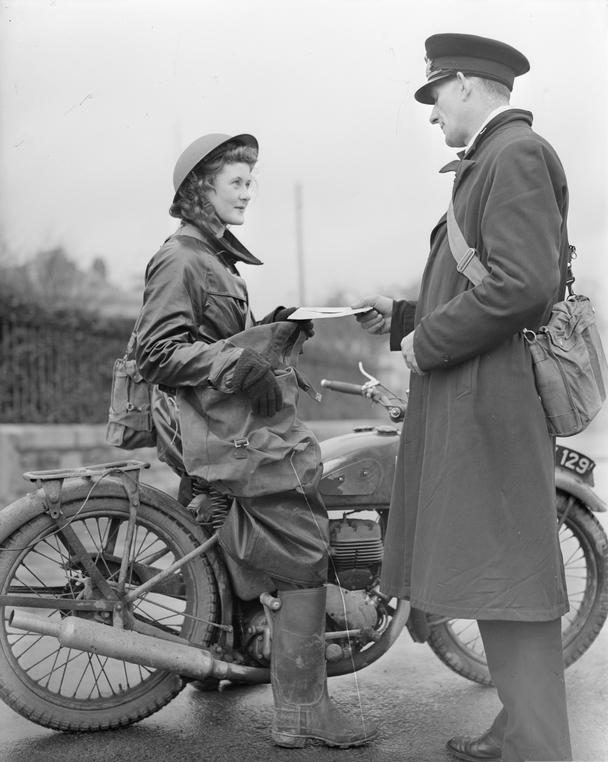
x,y
526,663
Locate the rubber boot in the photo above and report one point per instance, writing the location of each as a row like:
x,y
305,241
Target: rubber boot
x,y
304,713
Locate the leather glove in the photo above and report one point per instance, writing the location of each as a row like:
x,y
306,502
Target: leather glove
x,y
253,377
282,313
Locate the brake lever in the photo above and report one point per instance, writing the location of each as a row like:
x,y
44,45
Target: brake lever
x,y
371,384
365,373
373,389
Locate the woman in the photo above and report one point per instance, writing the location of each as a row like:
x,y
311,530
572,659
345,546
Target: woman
x,y
196,341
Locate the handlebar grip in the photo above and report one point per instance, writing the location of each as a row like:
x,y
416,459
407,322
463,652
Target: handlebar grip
x,y
342,386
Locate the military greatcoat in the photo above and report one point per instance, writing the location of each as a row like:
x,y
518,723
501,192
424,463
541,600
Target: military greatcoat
x,y
472,528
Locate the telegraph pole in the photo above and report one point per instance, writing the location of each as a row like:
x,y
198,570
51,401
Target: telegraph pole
x,y
300,246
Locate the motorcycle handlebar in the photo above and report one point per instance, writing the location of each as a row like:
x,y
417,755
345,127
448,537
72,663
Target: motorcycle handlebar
x,y
342,386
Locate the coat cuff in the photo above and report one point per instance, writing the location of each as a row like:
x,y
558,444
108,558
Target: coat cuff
x,y
221,372
402,322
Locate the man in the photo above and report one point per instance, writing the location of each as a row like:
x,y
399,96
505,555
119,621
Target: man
x,y
472,528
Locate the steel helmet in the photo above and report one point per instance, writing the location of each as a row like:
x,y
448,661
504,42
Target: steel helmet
x,y
201,148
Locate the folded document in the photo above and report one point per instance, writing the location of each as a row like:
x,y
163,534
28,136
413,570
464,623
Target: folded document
x,y
314,313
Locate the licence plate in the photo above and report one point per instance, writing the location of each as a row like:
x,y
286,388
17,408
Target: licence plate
x,y
574,461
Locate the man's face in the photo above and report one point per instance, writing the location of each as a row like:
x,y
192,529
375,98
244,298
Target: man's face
x,y
449,111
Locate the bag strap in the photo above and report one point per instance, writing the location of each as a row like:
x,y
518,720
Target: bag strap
x,y
130,350
570,276
467,261
469,264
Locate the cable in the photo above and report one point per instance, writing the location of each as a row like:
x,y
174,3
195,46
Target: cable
x,y
68,521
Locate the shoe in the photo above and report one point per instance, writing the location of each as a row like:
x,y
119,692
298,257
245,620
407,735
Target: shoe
x,y
304,714
484,748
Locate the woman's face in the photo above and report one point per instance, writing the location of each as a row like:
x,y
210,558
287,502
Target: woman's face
x,y
231,193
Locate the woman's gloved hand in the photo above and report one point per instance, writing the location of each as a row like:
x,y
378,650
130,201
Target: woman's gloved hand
x,y
253,377
282,313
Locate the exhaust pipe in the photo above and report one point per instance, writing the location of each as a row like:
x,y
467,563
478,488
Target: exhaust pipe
x,y
146,650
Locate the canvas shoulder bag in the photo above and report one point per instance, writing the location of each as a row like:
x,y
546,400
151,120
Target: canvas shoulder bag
x,y
568,358
238,452
130,425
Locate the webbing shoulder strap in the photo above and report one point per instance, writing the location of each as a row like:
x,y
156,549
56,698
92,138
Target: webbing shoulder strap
x,y
467,261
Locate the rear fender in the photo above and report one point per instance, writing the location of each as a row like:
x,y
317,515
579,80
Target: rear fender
x,y
20,512
568,482
33,503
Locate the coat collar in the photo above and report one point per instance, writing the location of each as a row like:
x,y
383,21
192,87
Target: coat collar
x,y
226,244
462,164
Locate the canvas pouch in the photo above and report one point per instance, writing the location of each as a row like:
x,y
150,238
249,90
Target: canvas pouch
x,y
568,358
130,425
570,367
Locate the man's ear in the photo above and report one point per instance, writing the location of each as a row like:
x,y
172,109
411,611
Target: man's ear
x,y
465,85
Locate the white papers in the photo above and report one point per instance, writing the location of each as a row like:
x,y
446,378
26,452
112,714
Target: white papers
x,y
314,313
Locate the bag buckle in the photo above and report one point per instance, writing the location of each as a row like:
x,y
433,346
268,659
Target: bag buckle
x,y
240,446
462,265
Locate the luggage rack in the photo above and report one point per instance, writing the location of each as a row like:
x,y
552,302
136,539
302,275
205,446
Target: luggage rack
x,y
51,481
99,469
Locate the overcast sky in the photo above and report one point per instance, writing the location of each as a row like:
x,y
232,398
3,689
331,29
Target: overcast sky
x,y
98,97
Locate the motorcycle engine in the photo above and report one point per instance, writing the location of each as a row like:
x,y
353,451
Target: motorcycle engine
x,y
354,568
356,552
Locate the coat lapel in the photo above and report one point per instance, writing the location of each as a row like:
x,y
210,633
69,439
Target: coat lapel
x,y
460,167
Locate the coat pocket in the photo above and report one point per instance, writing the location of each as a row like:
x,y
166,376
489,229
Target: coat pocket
x,y
226,301
465,377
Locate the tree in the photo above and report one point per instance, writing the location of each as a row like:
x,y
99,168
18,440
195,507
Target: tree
x,y
99,268
54,281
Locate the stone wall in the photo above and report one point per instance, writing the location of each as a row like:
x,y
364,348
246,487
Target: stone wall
x,y
35,447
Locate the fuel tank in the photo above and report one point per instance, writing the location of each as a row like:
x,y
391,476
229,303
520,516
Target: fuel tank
x,y
358,468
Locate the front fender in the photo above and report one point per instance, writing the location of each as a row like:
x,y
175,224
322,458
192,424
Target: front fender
x,y
568,482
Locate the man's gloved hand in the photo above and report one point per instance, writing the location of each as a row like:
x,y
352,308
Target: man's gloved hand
x,y
253,377
282,313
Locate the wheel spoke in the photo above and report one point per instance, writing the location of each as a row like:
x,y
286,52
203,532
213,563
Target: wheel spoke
x,y
64,687
584,551
109,543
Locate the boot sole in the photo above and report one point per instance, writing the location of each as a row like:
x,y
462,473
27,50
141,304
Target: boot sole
x,y
299,742
469,757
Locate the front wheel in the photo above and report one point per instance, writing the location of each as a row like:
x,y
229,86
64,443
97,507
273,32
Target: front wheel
x,y
584,546
67,689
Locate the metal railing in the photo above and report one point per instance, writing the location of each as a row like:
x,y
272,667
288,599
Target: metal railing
x,y
57,370
57,367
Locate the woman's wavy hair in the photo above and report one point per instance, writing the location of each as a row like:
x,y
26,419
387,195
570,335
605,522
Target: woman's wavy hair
x,y
190,203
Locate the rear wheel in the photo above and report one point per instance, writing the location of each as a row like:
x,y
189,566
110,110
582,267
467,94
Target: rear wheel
x,y
67,689
584,545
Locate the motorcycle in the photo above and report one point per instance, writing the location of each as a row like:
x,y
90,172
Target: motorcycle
x,y
114,595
